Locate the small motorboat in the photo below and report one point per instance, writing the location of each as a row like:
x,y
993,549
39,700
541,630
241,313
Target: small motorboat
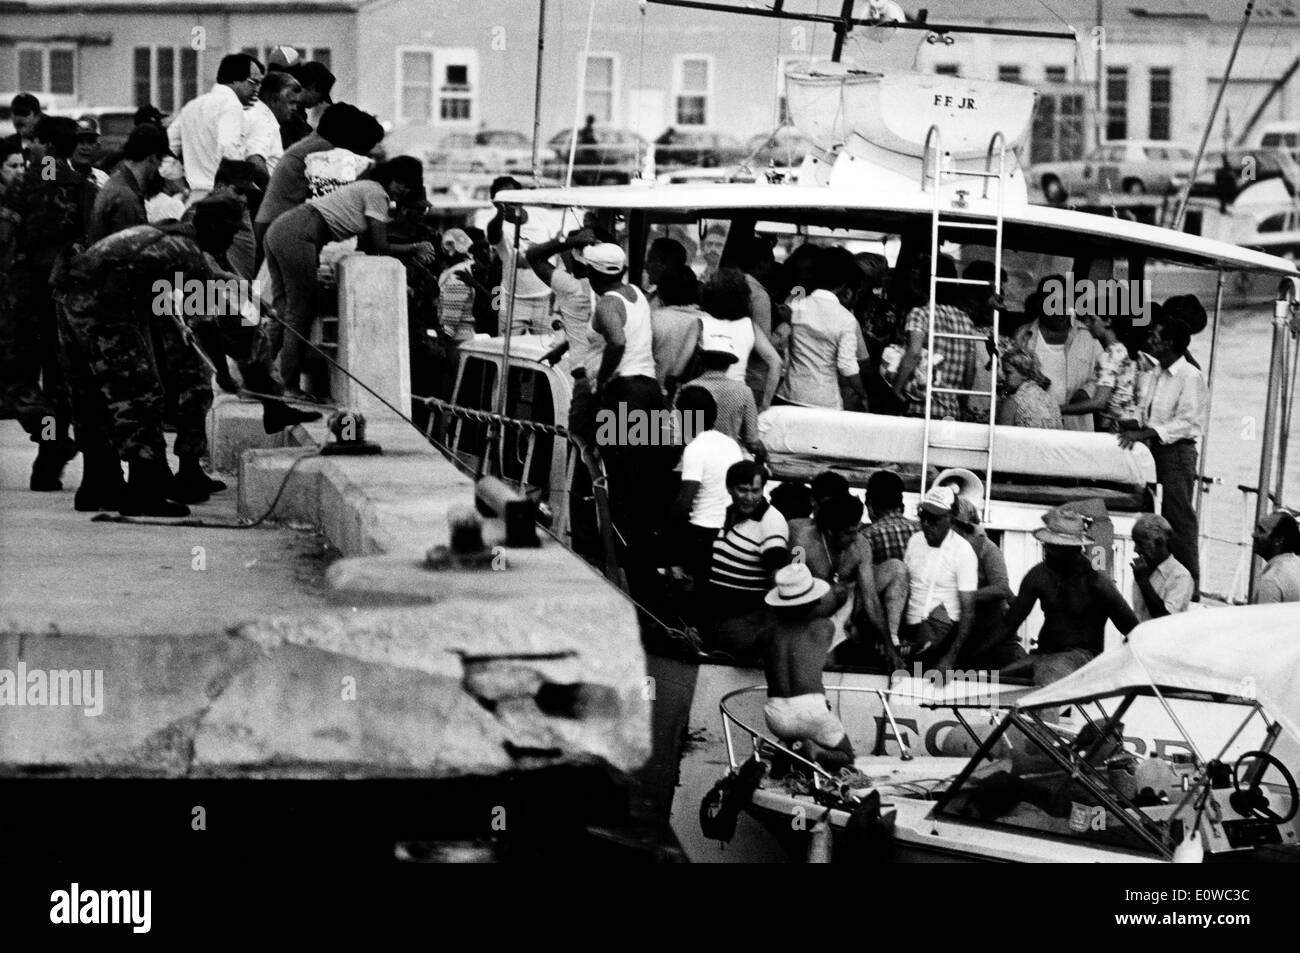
x,y
1046,786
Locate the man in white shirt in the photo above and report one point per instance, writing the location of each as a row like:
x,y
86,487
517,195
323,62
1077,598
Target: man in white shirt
x,y
942,578
1172,411
700,509
275,106
824,336
568,280
1161,584
1068,354
1277,541
532,295
211,127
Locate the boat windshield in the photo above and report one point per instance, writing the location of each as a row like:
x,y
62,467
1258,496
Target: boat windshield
x,y
1083,786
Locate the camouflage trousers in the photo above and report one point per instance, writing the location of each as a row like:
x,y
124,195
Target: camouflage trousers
x,y
32,386
121,364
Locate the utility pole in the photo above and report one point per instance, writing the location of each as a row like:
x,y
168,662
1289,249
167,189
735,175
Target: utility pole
x,y
537,91
1099,43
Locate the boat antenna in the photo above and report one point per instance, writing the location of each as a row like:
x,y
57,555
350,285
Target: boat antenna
x,y
1186,192
537,92
582,94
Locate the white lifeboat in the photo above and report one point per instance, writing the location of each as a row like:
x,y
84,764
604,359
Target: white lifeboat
x,y
873,126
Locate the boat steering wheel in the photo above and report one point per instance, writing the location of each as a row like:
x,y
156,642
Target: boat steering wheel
x,y
1252,800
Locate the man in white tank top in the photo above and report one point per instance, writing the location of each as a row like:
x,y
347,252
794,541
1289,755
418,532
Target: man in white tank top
x,y
621,377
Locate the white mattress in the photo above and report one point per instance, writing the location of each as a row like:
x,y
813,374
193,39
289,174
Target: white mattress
x,y
1047,454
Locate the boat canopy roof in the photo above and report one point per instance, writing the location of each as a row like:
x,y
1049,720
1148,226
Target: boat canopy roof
x,y
1248,652
1039,228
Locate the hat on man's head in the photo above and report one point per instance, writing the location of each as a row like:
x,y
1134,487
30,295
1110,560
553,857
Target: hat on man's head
x,y
455,239
146,140
605,258
795,586
149,115
939,500
317,75
1062,527
720,344
222,209
87,127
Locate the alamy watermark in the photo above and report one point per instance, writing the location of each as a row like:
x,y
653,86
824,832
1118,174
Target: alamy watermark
x,y
625,426
209,298
976,687
53,688
1099,297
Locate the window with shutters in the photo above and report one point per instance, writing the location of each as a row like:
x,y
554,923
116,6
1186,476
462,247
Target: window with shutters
x,y
47,68
165,76
438,86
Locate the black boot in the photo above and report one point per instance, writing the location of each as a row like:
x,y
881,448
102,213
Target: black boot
x,y
147,491
102,486
191,484
277,415
209,338
51,457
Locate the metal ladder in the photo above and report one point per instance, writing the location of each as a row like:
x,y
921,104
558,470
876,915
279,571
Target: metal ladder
x,y
938,223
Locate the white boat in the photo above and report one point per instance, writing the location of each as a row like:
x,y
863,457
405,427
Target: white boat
x,y
1039,790
841,194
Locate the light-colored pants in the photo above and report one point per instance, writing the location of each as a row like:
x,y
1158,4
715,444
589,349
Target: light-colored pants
x,y
803,717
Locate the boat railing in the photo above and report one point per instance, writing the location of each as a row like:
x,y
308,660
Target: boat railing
x,y
759,739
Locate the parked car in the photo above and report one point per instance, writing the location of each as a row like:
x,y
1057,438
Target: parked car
x,y
694,149
1247,165
1132,166
617,155
1284,134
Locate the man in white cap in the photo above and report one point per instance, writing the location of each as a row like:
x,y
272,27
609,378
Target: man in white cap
x,y
568,282
942,578
1077,601
620,377
797,710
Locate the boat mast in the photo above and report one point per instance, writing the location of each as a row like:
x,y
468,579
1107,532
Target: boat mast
x,y
537,92
1186,193
1288,301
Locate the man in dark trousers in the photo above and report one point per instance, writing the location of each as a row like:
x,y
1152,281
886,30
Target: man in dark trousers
x,y
124,348
55,205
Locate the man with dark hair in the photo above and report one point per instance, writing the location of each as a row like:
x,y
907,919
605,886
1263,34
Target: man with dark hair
x,y
317,83
982,649
1171,405
211,127
889,529
1277,542
700,509
831,544
25,113
753,544
955,370
55,204
676,320
663,253
824,336
149,115
120,203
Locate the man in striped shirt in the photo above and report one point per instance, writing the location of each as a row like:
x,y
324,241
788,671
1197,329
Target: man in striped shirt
x,y
753,544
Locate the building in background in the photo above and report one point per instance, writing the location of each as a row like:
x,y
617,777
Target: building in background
x,y
431,68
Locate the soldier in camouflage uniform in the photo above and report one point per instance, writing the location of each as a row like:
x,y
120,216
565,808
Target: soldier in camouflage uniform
x,y
54,204
125,349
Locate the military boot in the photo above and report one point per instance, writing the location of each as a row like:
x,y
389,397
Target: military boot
x,y
102,486
51,457
148,485
191,484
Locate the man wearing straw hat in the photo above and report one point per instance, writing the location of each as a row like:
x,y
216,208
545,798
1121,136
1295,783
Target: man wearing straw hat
x,y
1077,601
797,710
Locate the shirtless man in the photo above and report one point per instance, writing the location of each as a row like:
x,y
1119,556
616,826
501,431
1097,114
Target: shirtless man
x,y
797,710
